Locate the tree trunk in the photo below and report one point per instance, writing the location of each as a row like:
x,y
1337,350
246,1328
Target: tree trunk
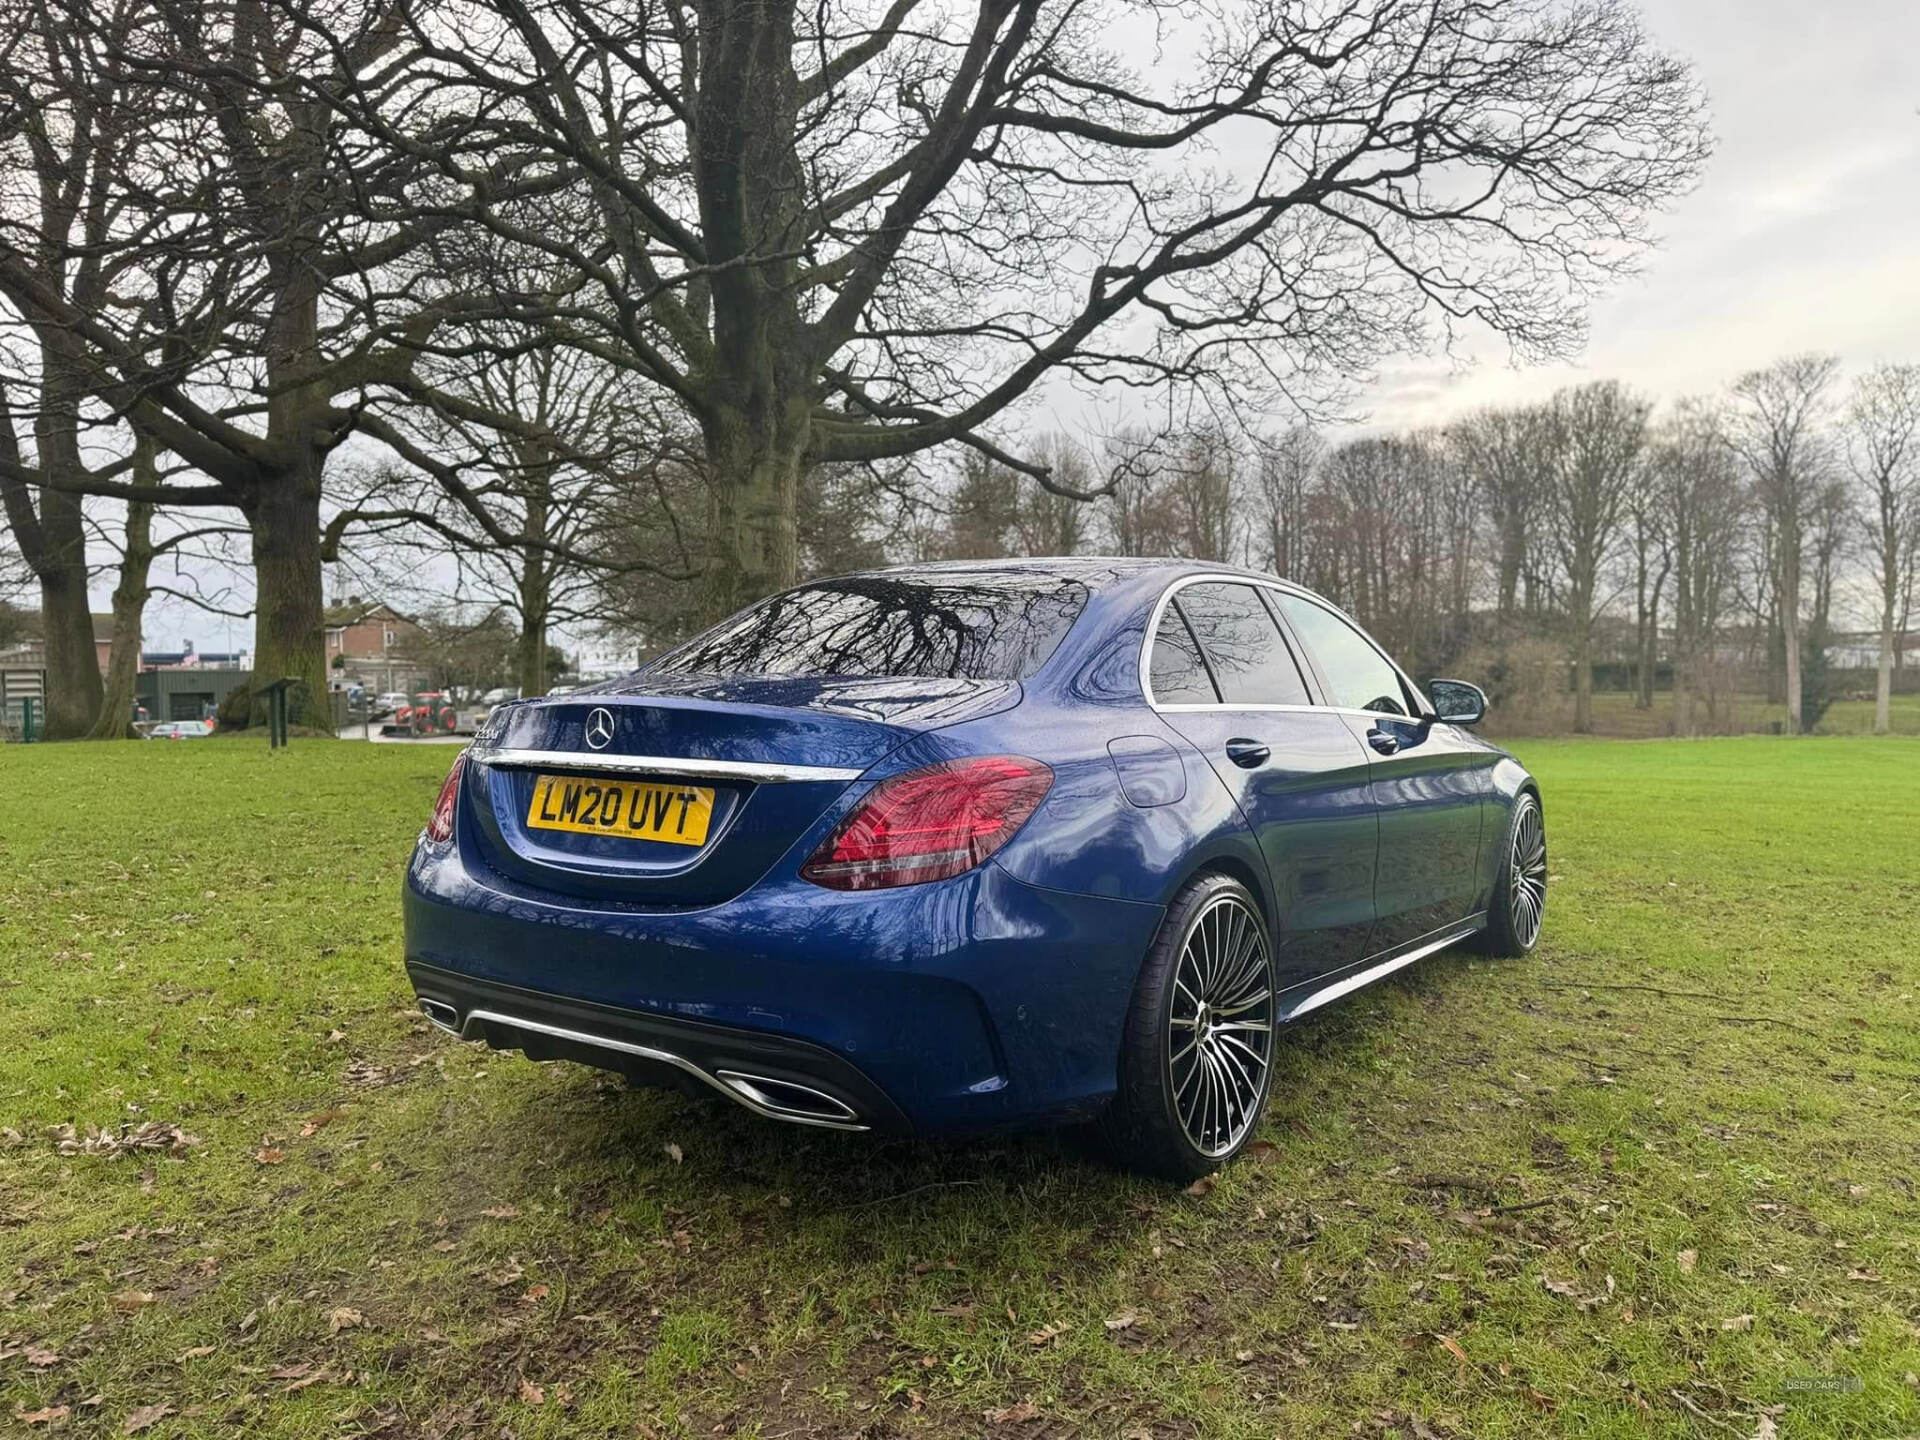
x,y
1650,647
1883,689
1513,554
289,625
1790,636
755,474
1683,691
129,601
1583,679
535,585
73,662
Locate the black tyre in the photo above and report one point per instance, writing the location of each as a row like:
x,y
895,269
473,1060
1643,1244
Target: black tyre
x,y
1196,1058
1518,904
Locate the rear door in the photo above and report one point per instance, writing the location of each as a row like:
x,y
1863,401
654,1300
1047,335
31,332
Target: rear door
x,y
1430,780
1224,676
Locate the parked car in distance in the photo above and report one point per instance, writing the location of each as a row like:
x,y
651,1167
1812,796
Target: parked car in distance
x,y
956,847
500,695
180,730
389,701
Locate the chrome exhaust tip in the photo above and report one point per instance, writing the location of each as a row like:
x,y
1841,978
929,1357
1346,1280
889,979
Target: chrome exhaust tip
x,y
787,1099
441,1014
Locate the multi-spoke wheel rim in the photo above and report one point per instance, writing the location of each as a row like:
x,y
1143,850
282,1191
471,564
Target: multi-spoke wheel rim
x,y
1529,874
1220,1026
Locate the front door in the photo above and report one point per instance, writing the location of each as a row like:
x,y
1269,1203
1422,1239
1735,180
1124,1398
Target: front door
x,y
1224,677
1429,780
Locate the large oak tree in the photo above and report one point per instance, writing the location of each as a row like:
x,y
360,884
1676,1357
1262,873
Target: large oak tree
x,y
852,230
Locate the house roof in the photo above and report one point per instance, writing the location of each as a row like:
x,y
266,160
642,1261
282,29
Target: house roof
x,y
338,617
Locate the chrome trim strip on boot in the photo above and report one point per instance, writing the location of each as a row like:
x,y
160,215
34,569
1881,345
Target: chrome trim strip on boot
x,y
594,762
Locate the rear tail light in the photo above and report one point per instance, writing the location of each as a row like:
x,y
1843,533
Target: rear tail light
x,y
440,827
930,824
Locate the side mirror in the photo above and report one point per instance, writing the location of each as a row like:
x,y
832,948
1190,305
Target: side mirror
x,y
1457,702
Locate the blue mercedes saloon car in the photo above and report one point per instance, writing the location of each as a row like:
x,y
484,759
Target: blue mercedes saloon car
x,y
953,847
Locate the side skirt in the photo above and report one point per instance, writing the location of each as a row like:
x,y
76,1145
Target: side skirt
x,y
1380,969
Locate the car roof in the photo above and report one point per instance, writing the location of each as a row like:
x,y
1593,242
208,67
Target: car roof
x,y
1092,570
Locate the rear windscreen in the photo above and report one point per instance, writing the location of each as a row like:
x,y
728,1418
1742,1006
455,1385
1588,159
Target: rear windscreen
x,y
950,625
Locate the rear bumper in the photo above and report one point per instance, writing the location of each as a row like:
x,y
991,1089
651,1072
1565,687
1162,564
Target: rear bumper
x,y
772,1075
970,1004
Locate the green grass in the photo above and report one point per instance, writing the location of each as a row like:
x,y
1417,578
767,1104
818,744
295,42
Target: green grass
x,y
1495,1199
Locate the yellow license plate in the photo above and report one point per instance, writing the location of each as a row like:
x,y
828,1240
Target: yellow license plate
x,y
635,809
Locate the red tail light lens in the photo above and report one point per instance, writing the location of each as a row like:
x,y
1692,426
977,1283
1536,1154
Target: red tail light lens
x,y
930,824
440,827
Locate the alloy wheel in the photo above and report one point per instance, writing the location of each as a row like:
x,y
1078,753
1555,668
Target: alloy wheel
x,y
1528,874
1220,1027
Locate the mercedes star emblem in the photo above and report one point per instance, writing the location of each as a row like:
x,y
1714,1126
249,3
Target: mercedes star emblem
x,y
599,727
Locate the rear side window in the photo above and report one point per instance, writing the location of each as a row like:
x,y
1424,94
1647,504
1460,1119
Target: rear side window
x,y
1358,676
1177,673
1249,656
950,625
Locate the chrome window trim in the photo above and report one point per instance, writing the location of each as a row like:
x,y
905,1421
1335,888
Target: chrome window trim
x,y
1284,587
599,762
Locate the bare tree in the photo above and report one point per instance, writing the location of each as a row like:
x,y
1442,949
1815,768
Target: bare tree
x,y
1883,452
64,132
246,245
1697,489
1054,522
1650,545
1778,425
1284,479
855,230
1601,438
1509,453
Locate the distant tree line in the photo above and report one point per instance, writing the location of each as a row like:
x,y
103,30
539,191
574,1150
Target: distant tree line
x,y
1717,539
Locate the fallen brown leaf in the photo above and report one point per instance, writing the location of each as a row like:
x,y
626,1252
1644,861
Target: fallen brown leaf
x,y
1686,1260
500,1212
269,1155
1014,1414
128,1301
532,1393
143,1417
198,1352
344,1317
43,1417
1202,1186
1737,1322
674,1153
1125,1320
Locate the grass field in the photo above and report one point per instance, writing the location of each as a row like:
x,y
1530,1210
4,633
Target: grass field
x,y
1639,1184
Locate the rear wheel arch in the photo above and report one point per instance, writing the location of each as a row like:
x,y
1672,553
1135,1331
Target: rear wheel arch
x,y
1251,873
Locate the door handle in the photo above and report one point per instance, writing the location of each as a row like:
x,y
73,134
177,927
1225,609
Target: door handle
x,y
1383,741
1247,754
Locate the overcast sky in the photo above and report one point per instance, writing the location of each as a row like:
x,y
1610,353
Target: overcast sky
x,y
1804,234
